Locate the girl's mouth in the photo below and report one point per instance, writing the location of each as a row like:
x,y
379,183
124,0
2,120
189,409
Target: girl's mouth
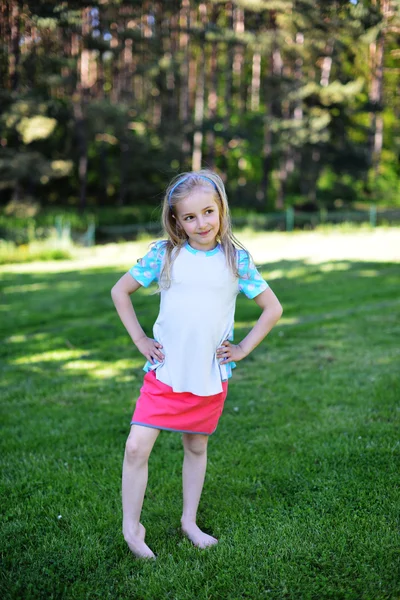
x,y
203,233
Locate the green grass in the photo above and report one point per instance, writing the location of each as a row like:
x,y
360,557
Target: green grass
x,y
302,486
35,251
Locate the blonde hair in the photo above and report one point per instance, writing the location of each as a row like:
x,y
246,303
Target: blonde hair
x,y
180,188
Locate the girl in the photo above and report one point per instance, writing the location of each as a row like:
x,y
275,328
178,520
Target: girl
x,y
200,269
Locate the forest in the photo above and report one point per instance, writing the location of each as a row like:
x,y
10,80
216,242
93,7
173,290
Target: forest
x,y
293,102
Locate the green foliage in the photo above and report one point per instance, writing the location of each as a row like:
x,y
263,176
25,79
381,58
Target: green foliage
x,y
101,102
35,128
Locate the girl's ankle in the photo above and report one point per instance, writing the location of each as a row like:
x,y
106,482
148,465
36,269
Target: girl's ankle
x,y
185,521
132,530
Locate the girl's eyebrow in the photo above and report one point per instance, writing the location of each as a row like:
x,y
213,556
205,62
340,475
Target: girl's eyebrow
x,y
189,213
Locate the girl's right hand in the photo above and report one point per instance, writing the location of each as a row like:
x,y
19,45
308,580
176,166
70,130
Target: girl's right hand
x,y
150,349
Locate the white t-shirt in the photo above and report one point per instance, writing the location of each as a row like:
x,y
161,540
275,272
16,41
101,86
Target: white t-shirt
x,y
196,314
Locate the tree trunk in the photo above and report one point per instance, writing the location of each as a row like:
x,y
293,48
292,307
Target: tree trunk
x,y
272,110
184,39
5,35
228,68
255,82
198,120
327,64
124,166
212,99
79,102
15,52
238,59
199,106
81,135
376,93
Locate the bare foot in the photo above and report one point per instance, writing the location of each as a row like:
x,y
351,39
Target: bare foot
x,y
137,544
198,537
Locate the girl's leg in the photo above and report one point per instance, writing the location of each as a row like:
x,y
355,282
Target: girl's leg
x,y
134,481
193,474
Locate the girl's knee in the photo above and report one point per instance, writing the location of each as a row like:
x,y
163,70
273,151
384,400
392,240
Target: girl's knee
x,y
195,443
134,452
139,446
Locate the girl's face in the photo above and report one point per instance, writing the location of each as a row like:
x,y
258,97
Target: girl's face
x,y
198,215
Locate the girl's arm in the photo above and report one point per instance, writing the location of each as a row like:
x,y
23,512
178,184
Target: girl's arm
x,y
271,313
120,294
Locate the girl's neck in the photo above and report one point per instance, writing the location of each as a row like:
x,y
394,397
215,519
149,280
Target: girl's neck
x,y
201,249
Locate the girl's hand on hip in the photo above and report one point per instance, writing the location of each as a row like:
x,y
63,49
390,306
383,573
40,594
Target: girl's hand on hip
x,y
150,349
228,352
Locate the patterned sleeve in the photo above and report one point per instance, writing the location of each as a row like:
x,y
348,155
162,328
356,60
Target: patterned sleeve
x,y
149,267
251,283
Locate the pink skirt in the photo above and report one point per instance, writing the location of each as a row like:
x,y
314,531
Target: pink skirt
x,y
160,407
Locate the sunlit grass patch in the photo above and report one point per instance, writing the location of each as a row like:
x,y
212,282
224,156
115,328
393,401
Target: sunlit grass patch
x,y
34,251
55,356
313,247
103,369
20,289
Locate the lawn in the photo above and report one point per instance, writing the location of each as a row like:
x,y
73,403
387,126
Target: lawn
x,y
302,487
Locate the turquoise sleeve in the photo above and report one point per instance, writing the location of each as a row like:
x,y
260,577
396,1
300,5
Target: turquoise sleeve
x,y
251,282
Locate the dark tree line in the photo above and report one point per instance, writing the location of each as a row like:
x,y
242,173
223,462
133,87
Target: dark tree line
x,y
290,100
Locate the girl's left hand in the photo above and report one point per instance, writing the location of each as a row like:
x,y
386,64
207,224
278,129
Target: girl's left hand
x,y
228,352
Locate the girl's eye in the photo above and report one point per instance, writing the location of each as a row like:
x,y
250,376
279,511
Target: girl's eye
x,y
189,217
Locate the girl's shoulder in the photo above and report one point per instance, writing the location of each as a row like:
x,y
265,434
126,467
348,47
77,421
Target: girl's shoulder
x,y
159,245
156,251
242,254
251,282
154,254
243,258
148,268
